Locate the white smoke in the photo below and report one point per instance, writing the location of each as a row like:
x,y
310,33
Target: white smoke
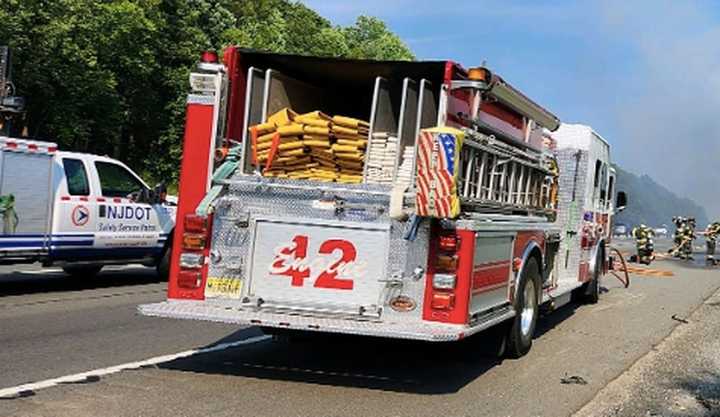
x,y
670,125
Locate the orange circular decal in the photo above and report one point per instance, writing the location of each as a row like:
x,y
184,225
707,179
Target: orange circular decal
x,y
80,215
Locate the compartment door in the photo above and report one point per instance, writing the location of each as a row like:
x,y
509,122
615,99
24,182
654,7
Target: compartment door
x,y
25,206
491,271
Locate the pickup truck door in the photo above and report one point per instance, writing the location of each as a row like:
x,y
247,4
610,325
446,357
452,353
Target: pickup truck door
x,y
127,228
73,223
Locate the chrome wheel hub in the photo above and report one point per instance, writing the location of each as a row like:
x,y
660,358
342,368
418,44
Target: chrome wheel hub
x,y
527,315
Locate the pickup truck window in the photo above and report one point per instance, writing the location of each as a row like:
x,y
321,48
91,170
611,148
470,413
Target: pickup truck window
x,y
76,176
116,181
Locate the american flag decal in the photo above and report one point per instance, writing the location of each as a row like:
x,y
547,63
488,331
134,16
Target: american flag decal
x,y
438,157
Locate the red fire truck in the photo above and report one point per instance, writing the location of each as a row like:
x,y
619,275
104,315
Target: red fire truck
x,y
364,253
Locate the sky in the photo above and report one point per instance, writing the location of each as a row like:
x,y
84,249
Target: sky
x,y
645,74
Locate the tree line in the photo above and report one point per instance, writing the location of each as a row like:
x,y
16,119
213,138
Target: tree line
x,y
111,77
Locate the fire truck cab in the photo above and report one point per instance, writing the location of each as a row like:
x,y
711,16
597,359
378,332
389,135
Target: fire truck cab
x,y
525,222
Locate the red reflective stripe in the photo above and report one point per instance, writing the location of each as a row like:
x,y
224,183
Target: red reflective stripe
x,y
491,287
65,198
490,277
100,199
32,147
52,149
83,198
117,200
13,145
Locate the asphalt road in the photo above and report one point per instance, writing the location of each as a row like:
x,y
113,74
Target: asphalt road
x,y
679,378
50,327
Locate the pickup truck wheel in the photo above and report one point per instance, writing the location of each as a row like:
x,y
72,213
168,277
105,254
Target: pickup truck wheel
x,y
163,267
522,329
82,271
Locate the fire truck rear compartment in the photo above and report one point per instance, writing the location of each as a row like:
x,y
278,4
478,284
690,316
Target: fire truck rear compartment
x,y
394,97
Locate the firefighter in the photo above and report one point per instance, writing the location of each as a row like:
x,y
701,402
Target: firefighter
x,y
644,243
679,223
711,234
687,238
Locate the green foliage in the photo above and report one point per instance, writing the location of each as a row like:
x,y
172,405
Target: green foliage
x,y
370,38
110,77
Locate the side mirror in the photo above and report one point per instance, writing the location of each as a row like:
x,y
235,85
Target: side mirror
x,y
621,201
140,196
159,193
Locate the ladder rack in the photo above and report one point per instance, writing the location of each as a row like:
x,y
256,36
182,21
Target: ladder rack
x,y
497,177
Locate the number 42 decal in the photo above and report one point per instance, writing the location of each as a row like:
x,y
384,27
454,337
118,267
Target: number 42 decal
x,y
334,272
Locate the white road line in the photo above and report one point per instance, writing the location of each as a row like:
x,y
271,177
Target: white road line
x,y
107,268
14,392
124,267
40,271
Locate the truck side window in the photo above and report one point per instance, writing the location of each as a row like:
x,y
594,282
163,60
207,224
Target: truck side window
x,y
77,182
116,181
603,185
596,183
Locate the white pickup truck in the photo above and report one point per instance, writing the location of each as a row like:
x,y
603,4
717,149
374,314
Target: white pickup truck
x,y
78,211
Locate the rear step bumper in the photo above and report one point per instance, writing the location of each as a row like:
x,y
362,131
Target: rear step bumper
x,y
200,310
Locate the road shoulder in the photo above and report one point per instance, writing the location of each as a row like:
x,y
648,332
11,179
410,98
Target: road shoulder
x,y
678,377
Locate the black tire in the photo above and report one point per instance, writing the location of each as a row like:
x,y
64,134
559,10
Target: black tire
x,y
163,267
592,289
490,343
82,271
521,331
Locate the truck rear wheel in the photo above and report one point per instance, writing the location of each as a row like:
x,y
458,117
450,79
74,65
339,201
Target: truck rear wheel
x,y
592,291
522,329
82,271
163,267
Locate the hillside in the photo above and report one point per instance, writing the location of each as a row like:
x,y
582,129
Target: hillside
x,y
653,204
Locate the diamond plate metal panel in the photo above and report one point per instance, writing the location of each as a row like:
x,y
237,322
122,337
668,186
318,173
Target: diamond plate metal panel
x,y
250,198
571,205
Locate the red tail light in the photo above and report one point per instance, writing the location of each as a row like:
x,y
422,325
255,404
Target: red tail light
x,y
194,251
189,279
210,57
195,223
